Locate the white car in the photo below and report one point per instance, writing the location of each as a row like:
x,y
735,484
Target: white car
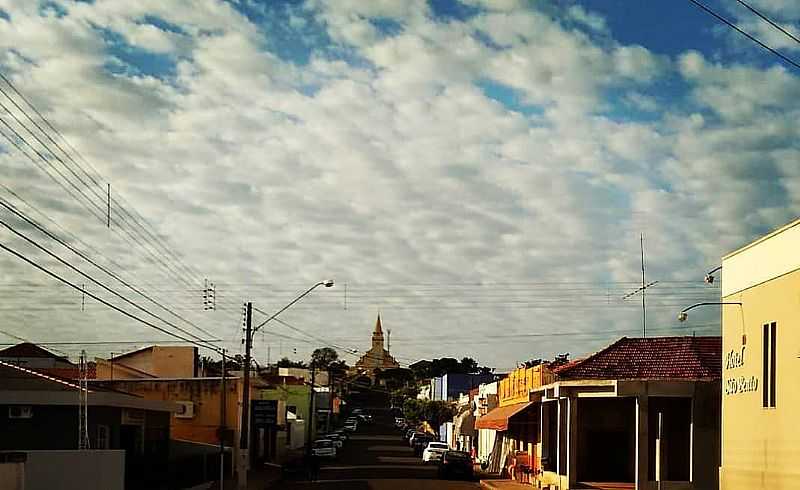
x,y
433,453
324,448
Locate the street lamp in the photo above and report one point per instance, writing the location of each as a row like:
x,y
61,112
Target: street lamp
x,y
683,315
244,440
710,275
327,283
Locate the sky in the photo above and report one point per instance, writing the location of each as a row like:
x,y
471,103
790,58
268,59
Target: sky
x,y
480,173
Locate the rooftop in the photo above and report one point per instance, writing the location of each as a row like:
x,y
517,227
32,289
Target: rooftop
x,y
27,349
689,358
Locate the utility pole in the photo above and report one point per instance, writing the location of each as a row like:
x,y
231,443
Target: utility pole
x,y
311,415
83,404
330,399
222,404
244,440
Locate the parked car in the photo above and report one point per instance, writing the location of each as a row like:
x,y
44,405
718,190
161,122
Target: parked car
x,y
455,464
350,426
338,441
324,448
408,433
342,433
420,442
433,453
399,421
414,435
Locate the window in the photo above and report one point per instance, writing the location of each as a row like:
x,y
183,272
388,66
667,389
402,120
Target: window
x,y
769,365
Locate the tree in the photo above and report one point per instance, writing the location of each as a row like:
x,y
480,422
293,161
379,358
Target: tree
x,y
288,363
435,412
469,365
323,357
395,378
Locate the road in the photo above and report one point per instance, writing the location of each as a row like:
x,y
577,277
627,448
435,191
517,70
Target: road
x,y
376,458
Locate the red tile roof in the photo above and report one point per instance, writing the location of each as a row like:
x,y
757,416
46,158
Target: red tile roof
x,y
651,358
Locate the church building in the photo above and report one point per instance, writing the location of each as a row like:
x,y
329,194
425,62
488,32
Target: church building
x,y
377,357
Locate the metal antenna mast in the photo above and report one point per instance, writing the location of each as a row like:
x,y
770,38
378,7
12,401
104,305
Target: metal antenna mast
x,y
644,307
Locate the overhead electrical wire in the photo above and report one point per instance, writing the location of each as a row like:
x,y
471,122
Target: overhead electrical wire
x,y
101,300
769,21
80,254
118,206
92,279
746,34
44,159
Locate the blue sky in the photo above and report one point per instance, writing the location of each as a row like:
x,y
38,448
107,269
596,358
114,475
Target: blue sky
x,y
465,167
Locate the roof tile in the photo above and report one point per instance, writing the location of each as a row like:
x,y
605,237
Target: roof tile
x,y
651,358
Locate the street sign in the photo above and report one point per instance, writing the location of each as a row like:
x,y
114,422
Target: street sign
x,y
264,413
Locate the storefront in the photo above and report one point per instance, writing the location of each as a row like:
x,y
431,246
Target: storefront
x,y
642,413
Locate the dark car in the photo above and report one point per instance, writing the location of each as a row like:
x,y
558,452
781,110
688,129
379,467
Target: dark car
x,y
420,442
456,464
408,433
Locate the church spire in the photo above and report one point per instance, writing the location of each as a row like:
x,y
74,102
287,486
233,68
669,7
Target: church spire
x,y
377,336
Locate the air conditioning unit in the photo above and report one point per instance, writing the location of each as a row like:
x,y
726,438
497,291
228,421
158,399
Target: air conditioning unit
x,y
20,412
185,410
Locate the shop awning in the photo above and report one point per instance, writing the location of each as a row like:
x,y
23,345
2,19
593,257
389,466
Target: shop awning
x,y
497,419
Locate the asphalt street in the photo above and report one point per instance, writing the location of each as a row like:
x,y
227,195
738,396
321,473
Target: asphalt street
x,y
376,458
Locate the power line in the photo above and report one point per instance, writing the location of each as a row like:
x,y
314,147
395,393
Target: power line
x,y
84,291
769,21
748,36
97,298
154,236
43,230
44,159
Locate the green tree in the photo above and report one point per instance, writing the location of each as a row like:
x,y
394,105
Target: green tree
x,y
288,363
323,357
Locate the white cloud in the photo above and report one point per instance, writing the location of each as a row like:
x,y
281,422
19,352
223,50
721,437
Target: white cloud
x,y
589,19
403,172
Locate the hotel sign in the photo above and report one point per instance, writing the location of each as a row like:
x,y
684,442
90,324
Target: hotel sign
x,y
735,385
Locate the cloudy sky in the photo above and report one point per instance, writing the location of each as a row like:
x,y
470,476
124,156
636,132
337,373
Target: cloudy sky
x,y
479,171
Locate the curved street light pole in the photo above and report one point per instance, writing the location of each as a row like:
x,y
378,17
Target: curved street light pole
x,y
682,316
329,283
244,436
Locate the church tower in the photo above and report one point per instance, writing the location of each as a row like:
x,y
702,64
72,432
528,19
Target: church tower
x,y
377,357
377,336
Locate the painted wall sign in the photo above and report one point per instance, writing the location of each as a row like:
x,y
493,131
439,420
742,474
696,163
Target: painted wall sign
x,y
734,386
734,359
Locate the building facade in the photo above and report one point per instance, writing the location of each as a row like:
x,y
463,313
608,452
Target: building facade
x,y
760,434
642,413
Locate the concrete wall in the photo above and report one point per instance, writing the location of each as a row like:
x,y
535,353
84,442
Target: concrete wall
x,y
172,361
205,397
761,446
75,470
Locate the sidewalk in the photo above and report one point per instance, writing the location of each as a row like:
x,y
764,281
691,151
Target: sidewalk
x,y
504,484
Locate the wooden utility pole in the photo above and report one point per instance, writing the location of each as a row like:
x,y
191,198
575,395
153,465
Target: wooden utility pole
x,y
244,439
311,414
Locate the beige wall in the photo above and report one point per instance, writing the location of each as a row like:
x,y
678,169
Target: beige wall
x,y
159,361
761,446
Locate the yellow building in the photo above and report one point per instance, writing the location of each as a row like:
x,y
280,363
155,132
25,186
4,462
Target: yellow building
x,y
761,346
